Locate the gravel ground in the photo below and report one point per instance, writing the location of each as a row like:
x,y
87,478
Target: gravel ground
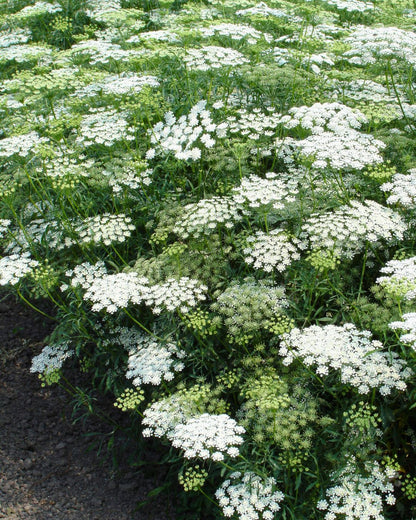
x,y
47,467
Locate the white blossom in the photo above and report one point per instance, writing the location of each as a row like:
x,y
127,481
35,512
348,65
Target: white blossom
x,y
359,497
105,228
274,190
269,251
21,145
213,57
203,217
184,137
361,361
208,437
249,496
151,362
402,189
51,358
401,278
407,324
349,228
103,127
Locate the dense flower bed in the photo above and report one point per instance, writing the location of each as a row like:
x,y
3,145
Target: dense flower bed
x,y
219,200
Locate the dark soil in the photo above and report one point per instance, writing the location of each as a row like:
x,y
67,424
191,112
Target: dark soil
x,y
49,466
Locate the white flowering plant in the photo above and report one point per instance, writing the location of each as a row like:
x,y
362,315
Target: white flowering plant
x,y
217,200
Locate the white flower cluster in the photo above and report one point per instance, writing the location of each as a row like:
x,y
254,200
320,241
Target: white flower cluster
x,y
213,57
208,437
128,179
103,127
112,292
348,229
352,6
184,136
402,189
364,89
160,36
38,9
43,232
4,226
359,497
83,275
370,44
51,358
275,191
161,417
338,151
98,9
252,124
65,163
236,32
15,37
401,279
203,217
101,52
360,360
319,117
14,267
262,9
20,145
174,295
408,324
335,140
269,251
249,497
150,361
105,229
23,53
315,62
125,83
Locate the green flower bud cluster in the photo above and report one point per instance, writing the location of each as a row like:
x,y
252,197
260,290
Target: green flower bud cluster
x,y
67,182
130,399
379,113
192,479
409,488
381,172
267,392
61,24
295,461
274,414
45,280
50,377
280,324
323,260
396,288
248,308
229,378
201,322
175,249
203,399
362,422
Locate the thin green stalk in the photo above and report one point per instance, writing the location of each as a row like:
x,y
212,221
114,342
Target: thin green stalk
x,y
34,307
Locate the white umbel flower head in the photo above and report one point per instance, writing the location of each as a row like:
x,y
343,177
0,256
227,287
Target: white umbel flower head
x,y
408,324
269,251
208,437
151,362
15,267
402,189
400,281
360,360
249,497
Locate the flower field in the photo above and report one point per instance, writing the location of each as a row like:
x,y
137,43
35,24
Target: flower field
x,y
219,199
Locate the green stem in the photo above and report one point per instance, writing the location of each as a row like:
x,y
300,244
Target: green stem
x,y
34,307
